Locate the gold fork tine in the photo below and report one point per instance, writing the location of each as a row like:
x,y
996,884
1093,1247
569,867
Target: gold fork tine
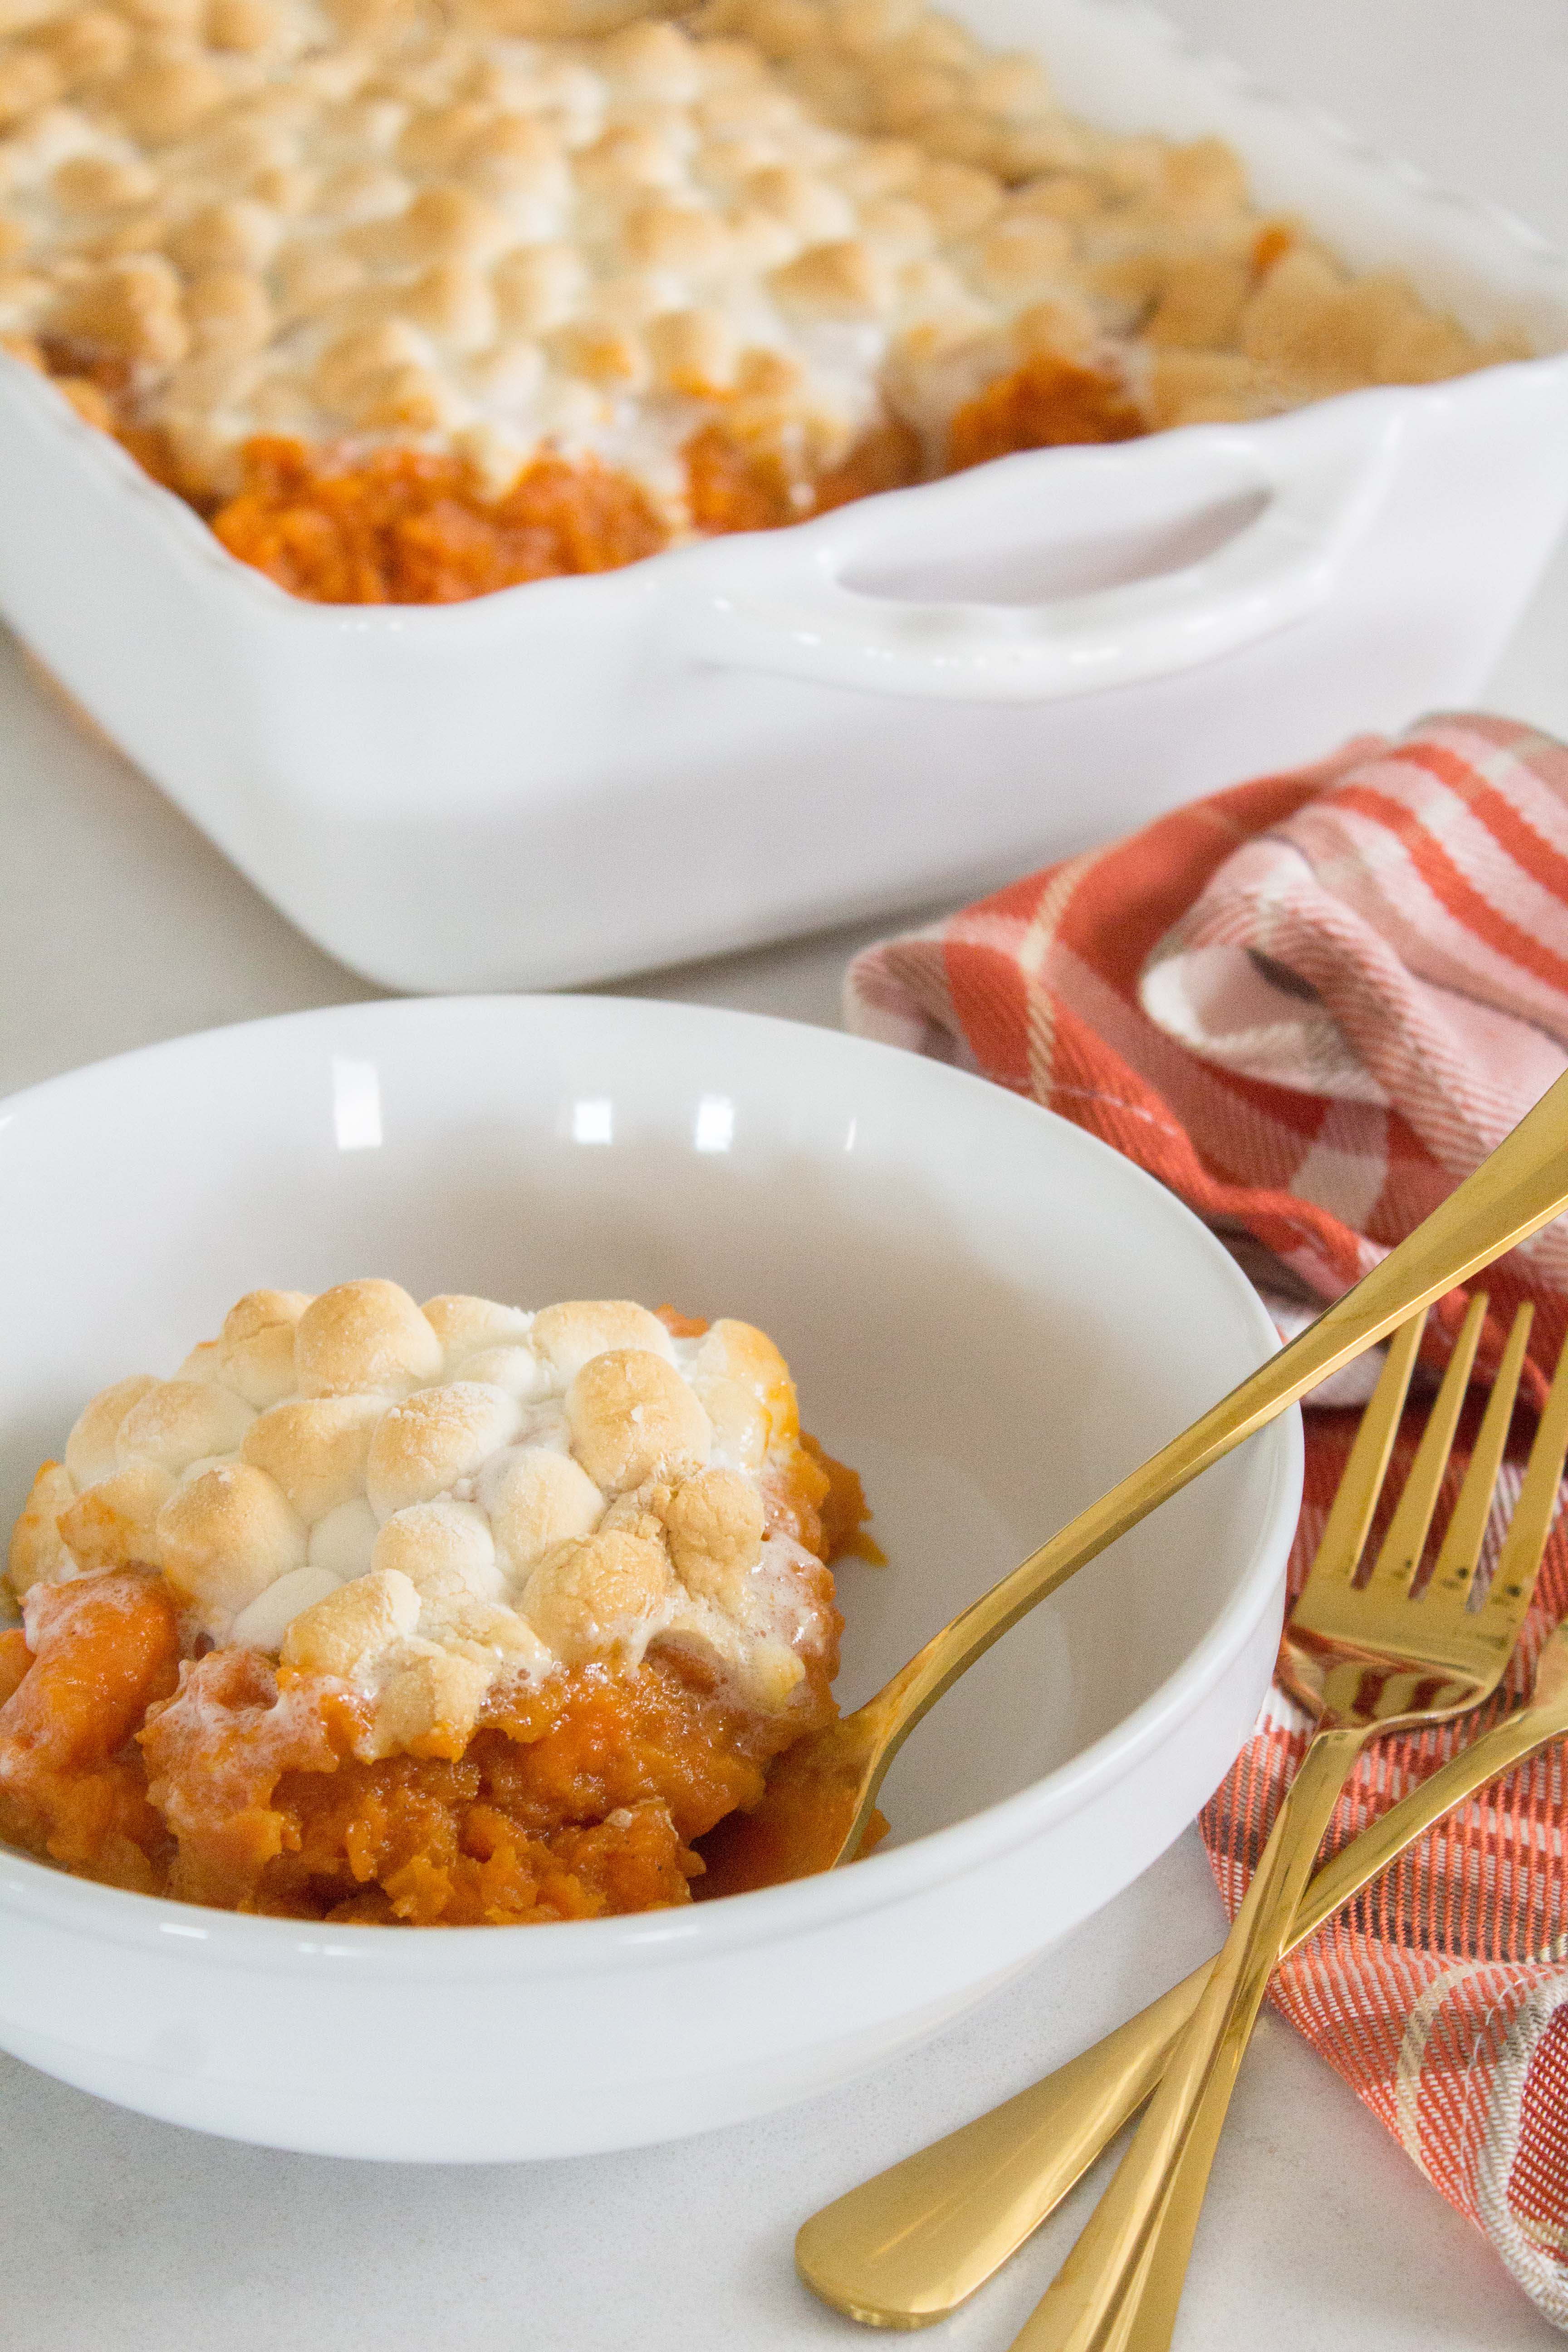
x,y
1355,1498
1508,1596
1360,1659
1399,1555
1451,1579
910,2246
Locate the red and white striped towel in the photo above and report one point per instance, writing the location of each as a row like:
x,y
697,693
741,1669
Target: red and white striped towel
x,y
1311,1005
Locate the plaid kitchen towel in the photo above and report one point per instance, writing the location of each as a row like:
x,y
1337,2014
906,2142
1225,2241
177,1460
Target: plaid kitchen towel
x,y
1311,1005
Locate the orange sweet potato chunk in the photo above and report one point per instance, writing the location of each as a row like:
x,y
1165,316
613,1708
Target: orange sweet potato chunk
x,y
403,527
15,1660
71,1783
1046,404
729,488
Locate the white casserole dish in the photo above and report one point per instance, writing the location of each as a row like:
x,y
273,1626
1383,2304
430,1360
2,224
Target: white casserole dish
x,y
915,696
989,1313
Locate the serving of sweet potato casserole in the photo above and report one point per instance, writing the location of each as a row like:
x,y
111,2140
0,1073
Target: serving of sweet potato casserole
x,y
450,1615
416,301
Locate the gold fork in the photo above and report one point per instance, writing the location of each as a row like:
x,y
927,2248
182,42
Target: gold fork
x,y
907,2247
1360,1660
820,1795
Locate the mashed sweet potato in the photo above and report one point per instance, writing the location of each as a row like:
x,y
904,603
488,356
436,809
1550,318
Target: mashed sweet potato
x,y
411,526
227,1779
403,527
1049,403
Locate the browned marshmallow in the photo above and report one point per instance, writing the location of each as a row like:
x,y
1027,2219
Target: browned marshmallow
x,y
89,1448
316,1449
177,1422
598,1595
444,1548
364,1334
424,1447
39,1553
351,1624
570,1335
716,1523
633,1417
256,1351
537,1500
227,1535
115,1523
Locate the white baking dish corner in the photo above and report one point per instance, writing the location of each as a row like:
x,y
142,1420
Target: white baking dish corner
x,y
914,697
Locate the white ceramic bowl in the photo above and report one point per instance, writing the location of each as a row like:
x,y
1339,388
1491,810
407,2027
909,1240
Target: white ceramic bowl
x,y
988,1312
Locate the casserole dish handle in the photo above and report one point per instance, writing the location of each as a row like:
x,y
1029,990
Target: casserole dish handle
x,y
1304,487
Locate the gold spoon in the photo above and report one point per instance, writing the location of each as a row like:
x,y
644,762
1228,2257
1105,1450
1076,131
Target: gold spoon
x,y
821,1793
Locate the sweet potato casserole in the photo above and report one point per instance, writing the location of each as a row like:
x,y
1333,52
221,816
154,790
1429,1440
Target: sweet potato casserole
x,y
417,299
445,1614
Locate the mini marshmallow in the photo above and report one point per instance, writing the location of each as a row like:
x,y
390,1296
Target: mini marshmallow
x,y
349,1626
715,1522
179,1422
428,1702
255,1349
423,1447
226,1536
740,1352
465,1324
536,1500
344,1541
774,1673
442,1547
598,1595
89,1448
114,1523
364,1334
516,1370
569,1336
633,1417
316,1449
487,1631
741,1427
263,1623
39,1553
263,1310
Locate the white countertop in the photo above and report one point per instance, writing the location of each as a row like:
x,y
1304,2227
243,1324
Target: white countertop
x,y
119,925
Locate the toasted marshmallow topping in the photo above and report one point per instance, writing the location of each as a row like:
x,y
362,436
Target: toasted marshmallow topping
x,y
418,1500
504,226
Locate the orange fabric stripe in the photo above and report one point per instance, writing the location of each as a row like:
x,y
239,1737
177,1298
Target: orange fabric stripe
x,y
1504,820
1446,881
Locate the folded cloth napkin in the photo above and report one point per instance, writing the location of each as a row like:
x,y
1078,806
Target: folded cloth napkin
x,y
1311,1005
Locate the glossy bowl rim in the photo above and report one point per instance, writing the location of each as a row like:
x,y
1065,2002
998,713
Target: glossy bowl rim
x,y
35,1889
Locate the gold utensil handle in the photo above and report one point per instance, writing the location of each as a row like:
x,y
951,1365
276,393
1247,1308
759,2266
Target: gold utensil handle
x,y
908,2247
1120,2274
911,2245
1519,1187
